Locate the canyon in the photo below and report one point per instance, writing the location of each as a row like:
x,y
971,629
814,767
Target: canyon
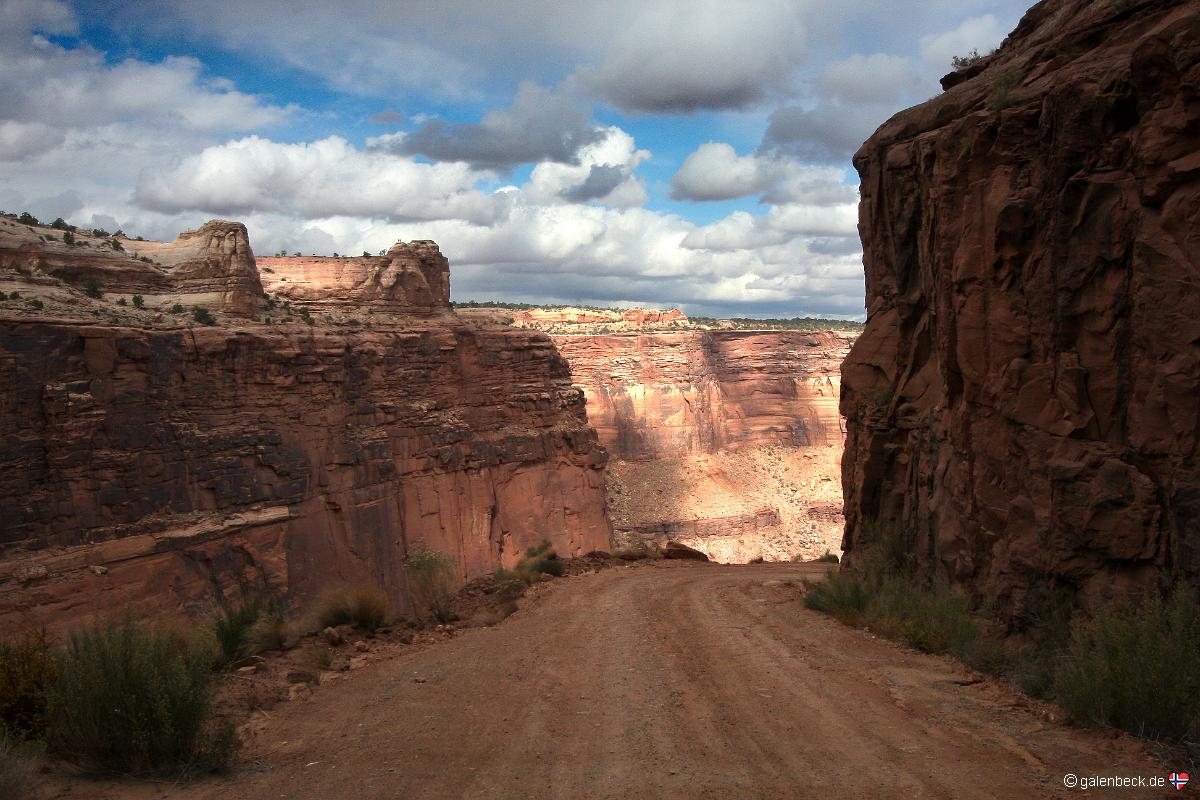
x,y
726,441
152,463
1024,400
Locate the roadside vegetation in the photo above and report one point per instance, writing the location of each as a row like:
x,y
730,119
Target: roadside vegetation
x,y
1133,664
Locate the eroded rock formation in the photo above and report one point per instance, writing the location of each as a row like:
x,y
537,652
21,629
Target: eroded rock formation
x,y
151,462
1025,399
211,267
411,276
725,440
669,394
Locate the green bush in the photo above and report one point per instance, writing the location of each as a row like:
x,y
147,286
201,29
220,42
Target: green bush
x,y
550,565
365,607
36,304
828,557
135,699
139,301
882,592
28,667
28,219
91,289
177,308
1000,96
970,59
203,316
68,237
120,301
509,585
232,628
431,583
1136,666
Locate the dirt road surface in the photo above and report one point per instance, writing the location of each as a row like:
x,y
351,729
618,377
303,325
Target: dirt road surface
x,y
668,680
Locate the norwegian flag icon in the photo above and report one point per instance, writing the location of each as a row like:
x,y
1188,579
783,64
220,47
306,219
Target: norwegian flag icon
x,y
1178,779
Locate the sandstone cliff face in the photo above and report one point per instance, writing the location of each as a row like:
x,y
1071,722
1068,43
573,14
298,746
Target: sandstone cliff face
x,y
1025,399
725,441
163,465
669,394
212,266
412,276
582,320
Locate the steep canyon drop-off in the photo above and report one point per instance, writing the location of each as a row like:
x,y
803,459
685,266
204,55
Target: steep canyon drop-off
x,y
1025,398
159,464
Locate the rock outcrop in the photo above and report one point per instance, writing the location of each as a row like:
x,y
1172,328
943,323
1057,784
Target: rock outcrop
x,y
571,320
211,266
410,277
723,440
670,394
149,462
1025,400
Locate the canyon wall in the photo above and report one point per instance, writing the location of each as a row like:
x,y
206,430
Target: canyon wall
x,y
727,441
1025,400
667,394
151,463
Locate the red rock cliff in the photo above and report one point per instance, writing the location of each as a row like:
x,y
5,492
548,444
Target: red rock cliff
x,y
1025,397
411,276
156,463
670,394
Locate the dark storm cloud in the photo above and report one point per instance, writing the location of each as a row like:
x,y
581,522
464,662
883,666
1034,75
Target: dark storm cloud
x,y
827,134
601,179
540,125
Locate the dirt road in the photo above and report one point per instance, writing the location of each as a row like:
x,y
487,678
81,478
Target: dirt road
x,y
669,680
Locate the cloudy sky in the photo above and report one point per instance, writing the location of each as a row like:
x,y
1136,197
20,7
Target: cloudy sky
x,y
685,153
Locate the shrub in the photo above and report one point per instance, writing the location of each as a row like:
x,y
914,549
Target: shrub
x,y
365,607
28,219
509,585
1134,666
431,583
37,304
19,765
120,301
269,632
68,237
232,629
3,296
135,699
60,224
115,245
1001,89
91,289
540,559
177,308
203,316
139,301
970,59
15,296
828,557
28,666
882,592
549,565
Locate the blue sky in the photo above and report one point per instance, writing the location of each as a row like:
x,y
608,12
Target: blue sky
x,y
672,153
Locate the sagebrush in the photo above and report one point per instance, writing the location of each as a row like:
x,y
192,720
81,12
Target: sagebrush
x,y
136,699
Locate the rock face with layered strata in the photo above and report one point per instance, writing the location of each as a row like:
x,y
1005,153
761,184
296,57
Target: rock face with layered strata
x,y
211,266
411,276
162,465
1025,398
671,394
